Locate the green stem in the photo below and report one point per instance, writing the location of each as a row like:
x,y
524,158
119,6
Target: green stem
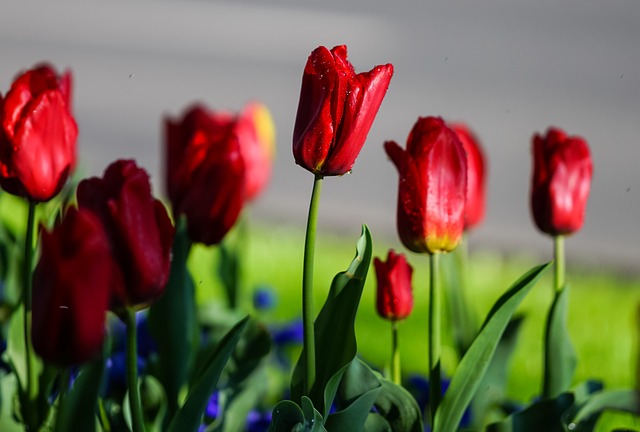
x,y
132,371
395,354
434,334
30,413
309,350
559,262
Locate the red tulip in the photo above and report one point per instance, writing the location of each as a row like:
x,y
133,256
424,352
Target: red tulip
x,y
432,188
394,299
256,135
205,172
71,290
475,175
336,110
562,171
37,135
138,227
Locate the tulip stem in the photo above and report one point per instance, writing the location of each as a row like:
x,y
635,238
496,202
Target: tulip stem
x,y
559,262
434,334
395,354
132,371
308,349
32,380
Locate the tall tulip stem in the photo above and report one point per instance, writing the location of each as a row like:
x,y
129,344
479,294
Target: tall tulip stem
x,y
27,277
309,349
559,256
395,354
434,334
135,404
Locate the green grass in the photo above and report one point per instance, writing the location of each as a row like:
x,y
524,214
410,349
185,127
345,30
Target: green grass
x,y
602,315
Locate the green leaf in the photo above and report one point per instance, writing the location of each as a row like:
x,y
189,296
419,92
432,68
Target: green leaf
x,y
491,392
545,415
463,319
560,357
474,364
616,400
16,351
287,417
172,322
399,408
335,337
78,407
189,416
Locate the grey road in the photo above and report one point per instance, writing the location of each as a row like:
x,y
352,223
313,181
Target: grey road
x,y
508,68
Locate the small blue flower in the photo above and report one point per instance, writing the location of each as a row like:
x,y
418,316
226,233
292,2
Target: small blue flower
x,y
258,421
264,298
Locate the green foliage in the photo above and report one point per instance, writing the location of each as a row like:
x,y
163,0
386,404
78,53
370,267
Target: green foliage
x,y
334,328
172,322
560,357
475,362
188,416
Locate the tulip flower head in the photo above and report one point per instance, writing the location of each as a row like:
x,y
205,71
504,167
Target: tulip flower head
x,y
394,298
475,175
432,187
139,229
562,171
336,110
205,172
37,134
71,290
257,139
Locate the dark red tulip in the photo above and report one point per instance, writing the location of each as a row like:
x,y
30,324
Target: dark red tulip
x,y
71,290
432,188
37,134
256,136
475,175
562,171
139,229
394,298
336,110
205,172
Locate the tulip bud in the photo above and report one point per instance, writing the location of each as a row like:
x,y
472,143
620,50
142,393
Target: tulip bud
x,y
475,175
37,135
205,172
562,171
432,187
71,290
394,299
139,229
336,110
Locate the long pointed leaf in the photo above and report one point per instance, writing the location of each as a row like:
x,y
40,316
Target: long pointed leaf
x,y
560,357
189,416
334,328
474,364
172,322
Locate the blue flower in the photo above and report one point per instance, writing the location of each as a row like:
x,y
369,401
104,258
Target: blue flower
x,y
264,298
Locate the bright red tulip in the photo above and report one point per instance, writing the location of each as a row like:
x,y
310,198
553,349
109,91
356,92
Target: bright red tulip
x,y
475,175
562,171
336,110
256,136
139,229
394,299
205,172
432,188
37,134
71,290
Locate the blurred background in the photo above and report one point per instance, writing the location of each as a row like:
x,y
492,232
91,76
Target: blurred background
x,y
507,68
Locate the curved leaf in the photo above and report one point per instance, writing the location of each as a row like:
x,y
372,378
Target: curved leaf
x,y
189,416
335,337
560,357
474,364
